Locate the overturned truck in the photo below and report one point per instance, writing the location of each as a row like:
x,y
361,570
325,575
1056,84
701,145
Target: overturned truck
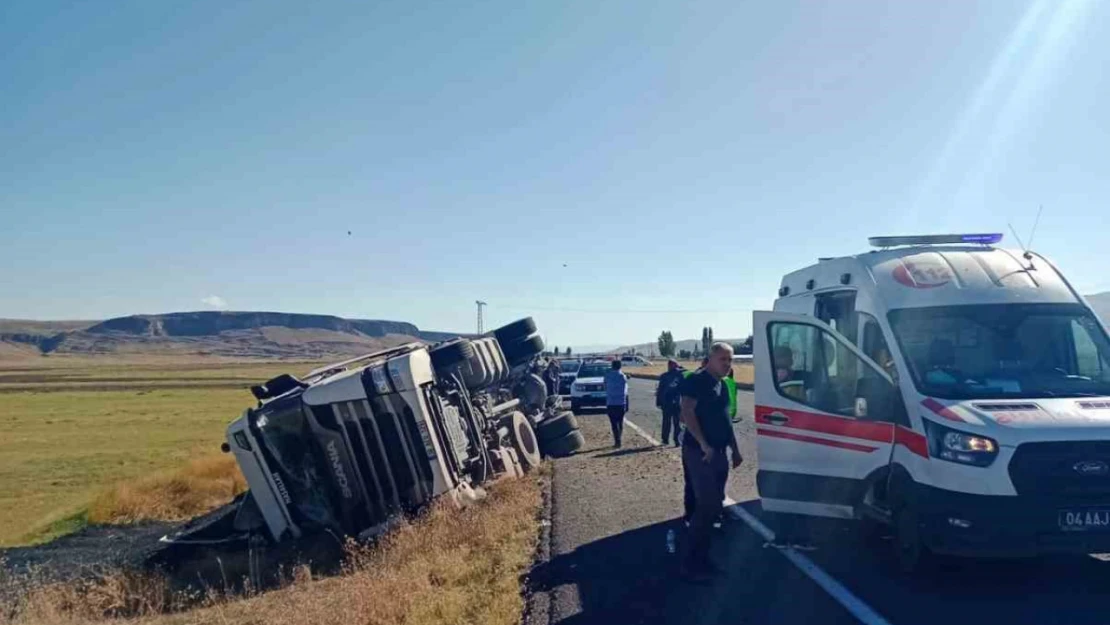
x,y
354,446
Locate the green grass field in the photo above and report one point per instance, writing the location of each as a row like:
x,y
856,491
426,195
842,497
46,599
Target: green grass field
x,y
70,432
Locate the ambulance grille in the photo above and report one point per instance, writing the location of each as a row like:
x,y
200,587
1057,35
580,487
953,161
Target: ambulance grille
x,y
1006,407
1050,469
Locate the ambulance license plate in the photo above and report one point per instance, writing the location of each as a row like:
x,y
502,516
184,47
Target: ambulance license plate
x,y
1085,520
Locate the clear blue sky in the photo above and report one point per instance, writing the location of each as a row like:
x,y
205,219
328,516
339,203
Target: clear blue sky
x,y
675,157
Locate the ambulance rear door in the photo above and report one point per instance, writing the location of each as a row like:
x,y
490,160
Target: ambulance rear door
x,y
825,417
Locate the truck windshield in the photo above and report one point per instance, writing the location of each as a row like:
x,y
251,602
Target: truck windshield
x,y
569,366
285,439
1004,351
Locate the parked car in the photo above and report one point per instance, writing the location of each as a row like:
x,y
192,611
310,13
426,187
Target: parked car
x,y
632,360
568,371
588,389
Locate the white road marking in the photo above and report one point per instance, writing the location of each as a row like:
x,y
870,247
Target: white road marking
x,y
863,612
639,430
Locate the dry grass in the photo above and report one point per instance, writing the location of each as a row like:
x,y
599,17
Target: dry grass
x,y
85,427
448,567
203,484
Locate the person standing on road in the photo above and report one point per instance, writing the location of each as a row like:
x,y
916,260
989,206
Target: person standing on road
x,y
688,488
616,400
551,377
667,400
704,409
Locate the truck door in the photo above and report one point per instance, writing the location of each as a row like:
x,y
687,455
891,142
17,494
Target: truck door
x,y
824,416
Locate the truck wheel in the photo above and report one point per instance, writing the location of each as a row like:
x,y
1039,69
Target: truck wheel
x,y
515,331
522,350
910,552
523,439
451,353
556,427
565,445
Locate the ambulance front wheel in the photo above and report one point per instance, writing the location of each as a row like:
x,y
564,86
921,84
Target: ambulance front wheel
x,y
911,553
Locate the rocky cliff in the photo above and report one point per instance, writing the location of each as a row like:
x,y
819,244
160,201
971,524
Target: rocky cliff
x,y
227,334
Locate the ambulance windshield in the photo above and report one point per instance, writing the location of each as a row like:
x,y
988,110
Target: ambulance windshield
x,y
1004,351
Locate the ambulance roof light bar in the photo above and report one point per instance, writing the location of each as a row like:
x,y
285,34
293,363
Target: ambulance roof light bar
x,y
989,238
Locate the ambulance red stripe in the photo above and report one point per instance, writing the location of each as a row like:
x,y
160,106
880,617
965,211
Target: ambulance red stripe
x,y
941,410
814,440
842,426
827,424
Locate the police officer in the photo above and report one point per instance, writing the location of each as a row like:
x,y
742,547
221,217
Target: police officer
x,y
709,434
667,400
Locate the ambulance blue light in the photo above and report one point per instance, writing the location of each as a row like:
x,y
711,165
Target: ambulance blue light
x,y
989,238
985,239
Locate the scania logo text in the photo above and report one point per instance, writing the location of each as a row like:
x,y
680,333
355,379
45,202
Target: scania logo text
x,y
337,468
281,489
1091,467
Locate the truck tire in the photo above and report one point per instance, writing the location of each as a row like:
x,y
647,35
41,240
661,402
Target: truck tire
x,y
522,350
556,427
523,439
565,445
575,408
451,353
515,331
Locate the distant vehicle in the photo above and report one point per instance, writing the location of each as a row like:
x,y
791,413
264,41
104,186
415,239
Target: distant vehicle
x,y
631,360
958,392
568,371
588,389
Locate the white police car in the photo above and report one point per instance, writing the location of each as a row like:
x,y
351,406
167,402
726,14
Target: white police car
x,y
588,388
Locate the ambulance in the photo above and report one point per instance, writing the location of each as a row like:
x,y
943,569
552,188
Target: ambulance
x,y
953,390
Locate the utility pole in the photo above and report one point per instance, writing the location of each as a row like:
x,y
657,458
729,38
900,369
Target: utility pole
x,y
480,304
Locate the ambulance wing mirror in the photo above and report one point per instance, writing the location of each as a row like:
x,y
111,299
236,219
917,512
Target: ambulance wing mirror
x,y
874,398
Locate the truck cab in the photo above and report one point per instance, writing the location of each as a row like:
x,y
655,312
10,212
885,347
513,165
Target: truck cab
x,y
957,391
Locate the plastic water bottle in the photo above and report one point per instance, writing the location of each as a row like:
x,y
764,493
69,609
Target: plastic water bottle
x,y
670,541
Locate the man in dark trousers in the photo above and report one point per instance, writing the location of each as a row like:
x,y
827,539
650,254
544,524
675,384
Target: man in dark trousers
x,y
704,410
667,400
616,400
551,377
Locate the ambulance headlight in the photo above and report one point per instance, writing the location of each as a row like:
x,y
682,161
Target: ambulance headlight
x,y
960,447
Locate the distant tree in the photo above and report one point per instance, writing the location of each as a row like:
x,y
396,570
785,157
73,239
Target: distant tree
x,y
666,344
556,350
568,350
706,339
685,354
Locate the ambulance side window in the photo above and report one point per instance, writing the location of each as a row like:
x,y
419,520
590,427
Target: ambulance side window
x,y
812,367
838,310
875,346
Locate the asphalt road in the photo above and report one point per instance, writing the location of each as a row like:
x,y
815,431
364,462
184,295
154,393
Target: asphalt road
x,y
612,511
